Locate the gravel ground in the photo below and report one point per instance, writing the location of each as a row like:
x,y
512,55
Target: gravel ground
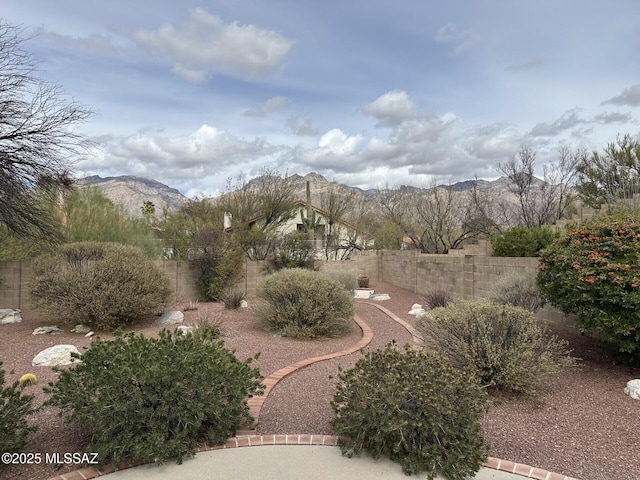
x,y
586,428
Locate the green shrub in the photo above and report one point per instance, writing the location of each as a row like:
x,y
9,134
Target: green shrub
x,y
15,407
291,251
304,303
518,290
435,298
105,285
522,241
413,407
215,262
154,399
594,273
502,343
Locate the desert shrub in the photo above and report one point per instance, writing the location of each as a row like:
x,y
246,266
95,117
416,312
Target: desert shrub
x,y
505,345
522,241
304,303
215,262
346,279
105,285
437,297
291,251
15,407
232,298
518,290
154,399
413,407
594,273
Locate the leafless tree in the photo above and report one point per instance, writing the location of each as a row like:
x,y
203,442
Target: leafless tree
x,y
541,202
436,219
257,209
38,138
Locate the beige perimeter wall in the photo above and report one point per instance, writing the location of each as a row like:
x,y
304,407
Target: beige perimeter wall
x,y
466,273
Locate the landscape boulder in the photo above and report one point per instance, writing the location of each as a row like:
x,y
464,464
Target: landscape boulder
x,y
633,389
185,329
380,297
54,356
10,315
46,330
416,309
169,318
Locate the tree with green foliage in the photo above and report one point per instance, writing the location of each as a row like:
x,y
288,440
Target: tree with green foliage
x,y
90,216
611,176
593,271
522,241
257,209
38,140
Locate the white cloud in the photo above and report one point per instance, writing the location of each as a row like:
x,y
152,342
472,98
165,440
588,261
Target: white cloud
x,y
207,151
460,39
391,109
205,44
630,96
271,105
568,120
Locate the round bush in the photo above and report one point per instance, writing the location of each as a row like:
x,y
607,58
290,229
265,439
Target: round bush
x,y
414,408
15,407
594,272
503,344
153,399
105,285
522,241
304,303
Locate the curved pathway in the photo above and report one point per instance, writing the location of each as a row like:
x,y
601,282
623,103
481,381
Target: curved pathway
x,y
249,438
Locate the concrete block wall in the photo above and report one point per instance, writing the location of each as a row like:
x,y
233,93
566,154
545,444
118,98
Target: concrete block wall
x,y
14,278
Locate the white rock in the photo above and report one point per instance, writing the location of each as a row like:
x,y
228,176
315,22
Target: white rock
x,y
169,318
184,329
46,330
380,296
415,306
10,315
244,304
633,389
89,334
56,355
362,293
417,311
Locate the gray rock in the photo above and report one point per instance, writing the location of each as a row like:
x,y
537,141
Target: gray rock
x,y
169,318
81,329
633,389
10,315
56,355
48,329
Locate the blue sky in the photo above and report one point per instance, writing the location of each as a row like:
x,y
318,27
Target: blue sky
x,y
366,93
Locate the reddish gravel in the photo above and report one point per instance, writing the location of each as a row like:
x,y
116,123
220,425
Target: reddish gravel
x,y
586,428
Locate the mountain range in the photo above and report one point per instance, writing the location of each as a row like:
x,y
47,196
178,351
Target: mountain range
x,y
132,192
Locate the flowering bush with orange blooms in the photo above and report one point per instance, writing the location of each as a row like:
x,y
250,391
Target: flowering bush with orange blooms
x,y
594,272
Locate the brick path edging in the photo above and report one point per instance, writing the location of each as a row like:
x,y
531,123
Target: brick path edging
x,y
255,405
525,471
